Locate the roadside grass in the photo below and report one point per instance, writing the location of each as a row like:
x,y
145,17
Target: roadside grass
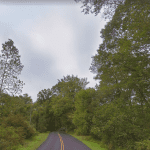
x,y
90,142
34,142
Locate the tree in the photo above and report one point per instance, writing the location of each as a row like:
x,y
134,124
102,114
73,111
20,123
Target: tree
x,y
44,95
5,107
111,6
69,85
16,105
10,67
64,92
49,117
122,66
84,110
43,117
67,88
121,63
118,126
26,108
26,98
18,128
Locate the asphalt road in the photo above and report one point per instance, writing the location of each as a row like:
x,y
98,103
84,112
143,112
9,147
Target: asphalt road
x,y
62,141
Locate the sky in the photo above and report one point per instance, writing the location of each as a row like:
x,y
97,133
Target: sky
x,y
53,39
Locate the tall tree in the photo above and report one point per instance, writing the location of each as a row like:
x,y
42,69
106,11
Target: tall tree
x,y
109,6
69,85
122,64
5,108
122,60
44,95
26,98
10,68
84,110
64,93
112,6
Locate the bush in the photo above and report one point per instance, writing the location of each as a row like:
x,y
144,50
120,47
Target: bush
x,y
18,121
143,145
95,133
9,138
119,127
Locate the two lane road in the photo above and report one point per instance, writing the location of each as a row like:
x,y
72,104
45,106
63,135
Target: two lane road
x,y
62,141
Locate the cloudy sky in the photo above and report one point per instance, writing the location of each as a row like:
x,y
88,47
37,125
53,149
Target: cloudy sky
x,y
54,40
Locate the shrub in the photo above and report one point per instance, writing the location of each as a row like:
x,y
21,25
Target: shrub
x,y
120,126
9,138
18,121
143,145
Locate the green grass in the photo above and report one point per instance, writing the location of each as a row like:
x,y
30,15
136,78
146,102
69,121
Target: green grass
x,y
34,142
89,141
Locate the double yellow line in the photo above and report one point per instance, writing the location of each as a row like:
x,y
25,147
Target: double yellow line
x,y
61,141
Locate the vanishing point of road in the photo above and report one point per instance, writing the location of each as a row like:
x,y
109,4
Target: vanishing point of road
x,y
62,141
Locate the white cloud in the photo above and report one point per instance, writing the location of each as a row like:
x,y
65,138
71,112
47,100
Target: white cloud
x,y
54,36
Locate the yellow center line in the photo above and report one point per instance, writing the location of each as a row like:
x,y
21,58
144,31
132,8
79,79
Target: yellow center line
x,y
61,141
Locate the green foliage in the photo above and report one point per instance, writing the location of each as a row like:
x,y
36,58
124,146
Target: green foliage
x,y
61,107
10,60
69,85
15,105
122,66
120,125
109,6
84,111
49,118
62,100
18,130
143,145
60,104
42,124
42,118
22,105
26,98
9,142
44,95
5,108
19,121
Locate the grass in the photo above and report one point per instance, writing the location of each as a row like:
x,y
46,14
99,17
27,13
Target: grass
x,y
89,141
34,142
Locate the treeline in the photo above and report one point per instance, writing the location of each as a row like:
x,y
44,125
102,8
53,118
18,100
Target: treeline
x,y
117,111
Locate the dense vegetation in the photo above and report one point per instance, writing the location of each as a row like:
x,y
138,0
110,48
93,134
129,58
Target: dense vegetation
x,y
117,111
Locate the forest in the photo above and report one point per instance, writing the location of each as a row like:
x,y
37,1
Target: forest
x,y
116,111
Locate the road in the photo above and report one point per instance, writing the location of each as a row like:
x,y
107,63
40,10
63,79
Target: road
x,y
62,141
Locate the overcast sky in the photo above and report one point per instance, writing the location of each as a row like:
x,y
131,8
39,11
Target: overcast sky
x,y
54,40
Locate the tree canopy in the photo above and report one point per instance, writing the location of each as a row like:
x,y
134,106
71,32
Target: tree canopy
x,y
10,68
109,6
